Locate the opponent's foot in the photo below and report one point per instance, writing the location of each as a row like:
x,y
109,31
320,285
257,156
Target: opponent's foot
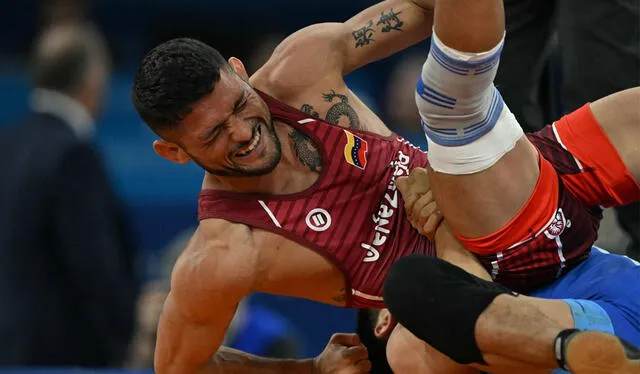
x,y
594,352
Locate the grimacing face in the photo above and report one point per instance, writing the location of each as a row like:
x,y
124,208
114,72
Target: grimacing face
x,y
230,132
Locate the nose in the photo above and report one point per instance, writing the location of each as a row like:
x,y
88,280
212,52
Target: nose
x,y
240,131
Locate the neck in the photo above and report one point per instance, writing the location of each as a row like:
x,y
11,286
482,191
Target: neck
x,y
289,176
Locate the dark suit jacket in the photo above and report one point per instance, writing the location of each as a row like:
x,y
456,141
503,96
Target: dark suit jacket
x,y
67,290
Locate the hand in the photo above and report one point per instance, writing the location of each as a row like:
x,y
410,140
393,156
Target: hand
x,y
421,207
344,354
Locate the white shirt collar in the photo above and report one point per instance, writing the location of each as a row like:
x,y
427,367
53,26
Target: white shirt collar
x,y
65,108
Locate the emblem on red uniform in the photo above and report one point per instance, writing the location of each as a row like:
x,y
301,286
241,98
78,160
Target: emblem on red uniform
x,y
355,151
557,225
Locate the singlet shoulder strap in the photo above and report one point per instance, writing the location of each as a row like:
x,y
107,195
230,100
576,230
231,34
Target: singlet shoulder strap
x,y
286,113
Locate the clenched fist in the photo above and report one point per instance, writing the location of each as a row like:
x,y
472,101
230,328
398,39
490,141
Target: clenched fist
x,y
344,354
419,203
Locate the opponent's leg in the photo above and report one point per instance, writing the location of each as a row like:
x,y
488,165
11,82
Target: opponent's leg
x,y
475,321
482,161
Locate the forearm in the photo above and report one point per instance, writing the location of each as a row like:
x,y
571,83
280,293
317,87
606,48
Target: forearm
x,y
232,361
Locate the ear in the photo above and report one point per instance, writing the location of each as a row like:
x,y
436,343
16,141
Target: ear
x,y
384,325
171,151
239,68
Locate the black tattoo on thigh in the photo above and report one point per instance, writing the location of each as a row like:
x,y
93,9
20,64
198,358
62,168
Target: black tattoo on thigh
x,y
306,152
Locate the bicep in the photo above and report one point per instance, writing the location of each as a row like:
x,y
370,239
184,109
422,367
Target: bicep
x,y
375,33
203,299
187,344
381,30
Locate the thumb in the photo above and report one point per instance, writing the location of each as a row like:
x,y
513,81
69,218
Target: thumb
x,y
345,339
403,184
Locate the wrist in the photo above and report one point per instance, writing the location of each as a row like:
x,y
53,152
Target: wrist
x,y
310,365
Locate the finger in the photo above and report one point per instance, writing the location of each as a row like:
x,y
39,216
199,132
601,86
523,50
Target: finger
x,y
424,200
345,339
420,176
432,225
356,353
363,366
413,211
426,212
403,184
410,197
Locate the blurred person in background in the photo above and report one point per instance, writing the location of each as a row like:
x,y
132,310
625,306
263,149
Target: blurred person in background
x,y
66,276
595,48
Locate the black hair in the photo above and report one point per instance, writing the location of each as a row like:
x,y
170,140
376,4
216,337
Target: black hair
x,y
172,77
377,348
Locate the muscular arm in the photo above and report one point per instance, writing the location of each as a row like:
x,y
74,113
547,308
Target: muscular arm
x,y
373,34
473,175
208,282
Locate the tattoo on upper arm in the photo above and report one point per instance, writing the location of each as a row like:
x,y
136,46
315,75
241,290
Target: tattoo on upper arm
x,y
387,22
390,21
339,109
363,35
305,151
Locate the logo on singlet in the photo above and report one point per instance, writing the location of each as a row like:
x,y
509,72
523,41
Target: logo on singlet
x,y
388,206
318,219
557,225
355,151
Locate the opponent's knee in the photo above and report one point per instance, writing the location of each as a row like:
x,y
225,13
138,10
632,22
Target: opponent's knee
x,y
461,108
440,304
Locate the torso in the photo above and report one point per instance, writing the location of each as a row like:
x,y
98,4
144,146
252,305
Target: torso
x,y
329,266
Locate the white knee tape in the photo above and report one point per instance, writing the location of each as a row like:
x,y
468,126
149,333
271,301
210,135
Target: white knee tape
x,y
480,154
468,125
455,94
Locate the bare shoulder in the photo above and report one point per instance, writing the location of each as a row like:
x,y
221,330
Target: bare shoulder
x,y
302,59
310,82
219,263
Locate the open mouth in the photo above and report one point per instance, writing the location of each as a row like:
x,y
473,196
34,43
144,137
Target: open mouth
x,y
253,144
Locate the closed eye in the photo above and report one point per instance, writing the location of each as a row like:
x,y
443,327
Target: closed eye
x,y
212,135
240,104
